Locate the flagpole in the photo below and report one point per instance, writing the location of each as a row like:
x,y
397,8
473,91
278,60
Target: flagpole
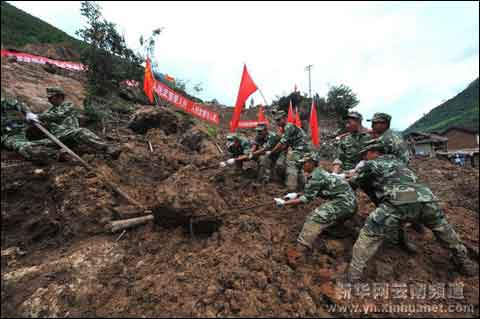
x,y
264,99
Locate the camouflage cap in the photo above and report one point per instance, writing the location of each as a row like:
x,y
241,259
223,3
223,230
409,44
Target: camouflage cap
x,y
260,127
380,117
355,115
232,137
52,91
310,156
279,115
373,145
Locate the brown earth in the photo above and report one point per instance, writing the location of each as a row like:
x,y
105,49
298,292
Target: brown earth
x,y
58,259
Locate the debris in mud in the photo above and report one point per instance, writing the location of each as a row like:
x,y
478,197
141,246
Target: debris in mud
x,y
158,117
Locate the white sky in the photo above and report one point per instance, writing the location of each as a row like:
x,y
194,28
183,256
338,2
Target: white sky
x,y
403,58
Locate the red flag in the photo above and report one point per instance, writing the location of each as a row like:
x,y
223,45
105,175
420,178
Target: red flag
x,y
314,125
247,87
291,115
148,81
298,123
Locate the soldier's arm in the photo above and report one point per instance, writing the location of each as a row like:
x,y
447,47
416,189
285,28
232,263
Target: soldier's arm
x,y
361,174
312,189
57,114
14,105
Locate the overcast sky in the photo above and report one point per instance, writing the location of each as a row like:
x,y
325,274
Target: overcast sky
x,y
403,58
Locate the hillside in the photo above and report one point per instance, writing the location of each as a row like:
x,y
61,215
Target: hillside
x,y
22,30
460,111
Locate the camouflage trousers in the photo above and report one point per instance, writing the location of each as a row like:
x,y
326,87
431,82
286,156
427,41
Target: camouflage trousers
x,y
18,142
385,224
294,175
328,214
270,167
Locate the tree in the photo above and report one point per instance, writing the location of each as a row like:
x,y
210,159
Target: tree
x,y
107,57
342,99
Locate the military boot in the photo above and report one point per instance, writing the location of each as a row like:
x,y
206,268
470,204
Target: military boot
x,y
463,263
407,245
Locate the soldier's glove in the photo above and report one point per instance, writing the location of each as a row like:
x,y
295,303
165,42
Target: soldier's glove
x,y
231,161
280,202
223,164
32,117
290,196
250,156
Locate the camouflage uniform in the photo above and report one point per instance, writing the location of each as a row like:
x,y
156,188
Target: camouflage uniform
x,y
235,151
342,204
14,132
402,199
294,138
393,141
267,163
61,121
349,146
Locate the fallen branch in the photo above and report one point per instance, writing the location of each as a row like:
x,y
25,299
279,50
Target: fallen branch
x,y
129,223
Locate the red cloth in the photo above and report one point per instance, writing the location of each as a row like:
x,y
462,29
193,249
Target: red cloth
x,y
314,125
148,81
291,115
247,87
298,123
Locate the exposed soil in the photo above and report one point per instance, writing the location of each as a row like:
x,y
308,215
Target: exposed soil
x,y
59,260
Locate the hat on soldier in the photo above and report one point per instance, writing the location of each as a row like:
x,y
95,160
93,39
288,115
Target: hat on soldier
x,y
232,137
52,91
373,145
355,115
310,156
260,127
380,117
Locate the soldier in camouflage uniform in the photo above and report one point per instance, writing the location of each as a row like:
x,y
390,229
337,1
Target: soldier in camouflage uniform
x,y
293,139
61,120
402,199
350,144
342,204
265,141
14,136
239,149
394,142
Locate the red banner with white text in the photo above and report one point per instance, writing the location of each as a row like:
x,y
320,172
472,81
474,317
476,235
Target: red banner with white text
x,y
30,58
196,109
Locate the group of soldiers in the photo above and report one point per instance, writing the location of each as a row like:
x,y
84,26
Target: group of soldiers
x,y
61,119
375,161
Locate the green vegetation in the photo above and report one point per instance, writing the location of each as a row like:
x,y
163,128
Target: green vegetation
x,y
460,111
20,28
339,101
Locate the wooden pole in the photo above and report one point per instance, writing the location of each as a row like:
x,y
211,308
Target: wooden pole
x,y
112,186
129,223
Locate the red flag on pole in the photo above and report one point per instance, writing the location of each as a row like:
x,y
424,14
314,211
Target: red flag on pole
x,y
314,125
298,123
148,81
291,115
247,87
